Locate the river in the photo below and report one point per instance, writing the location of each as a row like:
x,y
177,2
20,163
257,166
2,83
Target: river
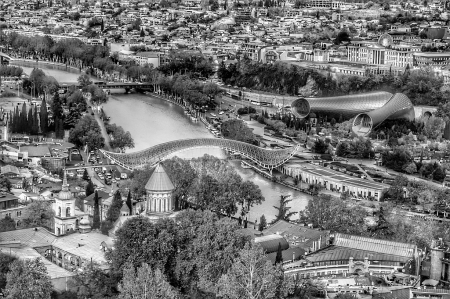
x,y
152,121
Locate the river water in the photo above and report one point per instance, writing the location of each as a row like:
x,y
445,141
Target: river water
x,y
152,121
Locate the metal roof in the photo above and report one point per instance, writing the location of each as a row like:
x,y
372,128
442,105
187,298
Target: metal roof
x,y
374,245
337,253
349,105
159,180
33,237
270,243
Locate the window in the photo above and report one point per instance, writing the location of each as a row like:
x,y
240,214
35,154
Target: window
x,y
68,212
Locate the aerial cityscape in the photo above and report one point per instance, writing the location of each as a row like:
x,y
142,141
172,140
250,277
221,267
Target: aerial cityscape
x,y
236,149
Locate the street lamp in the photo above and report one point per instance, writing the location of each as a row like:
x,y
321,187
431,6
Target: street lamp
x,y
34,86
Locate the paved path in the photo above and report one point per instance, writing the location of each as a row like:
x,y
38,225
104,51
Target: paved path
x,y
103,130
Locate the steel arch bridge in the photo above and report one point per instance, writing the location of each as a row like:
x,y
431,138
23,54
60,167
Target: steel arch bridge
x,y
265,158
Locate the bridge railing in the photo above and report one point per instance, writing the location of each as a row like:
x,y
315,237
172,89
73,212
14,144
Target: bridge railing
x,y
265,158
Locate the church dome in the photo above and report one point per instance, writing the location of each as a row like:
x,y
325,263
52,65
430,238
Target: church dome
x,y
84,226
159,181
65,194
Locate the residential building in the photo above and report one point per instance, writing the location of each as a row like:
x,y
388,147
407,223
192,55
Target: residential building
x,y
10,207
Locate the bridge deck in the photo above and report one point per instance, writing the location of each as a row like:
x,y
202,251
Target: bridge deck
x,y
265,158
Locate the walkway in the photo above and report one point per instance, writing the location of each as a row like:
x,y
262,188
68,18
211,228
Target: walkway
x,y
103,129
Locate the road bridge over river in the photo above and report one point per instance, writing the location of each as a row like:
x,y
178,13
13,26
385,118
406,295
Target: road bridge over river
x,y
115,85
264,158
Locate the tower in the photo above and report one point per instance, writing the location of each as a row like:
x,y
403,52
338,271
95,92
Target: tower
x,y
64,207
159,190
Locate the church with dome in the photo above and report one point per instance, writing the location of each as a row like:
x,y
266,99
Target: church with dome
x,y
159,189
67,216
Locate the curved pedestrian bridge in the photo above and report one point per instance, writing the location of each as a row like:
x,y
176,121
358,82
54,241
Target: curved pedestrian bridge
x,y
265,158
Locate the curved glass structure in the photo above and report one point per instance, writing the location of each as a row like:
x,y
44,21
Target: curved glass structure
x,y
347,106
265,158
399,106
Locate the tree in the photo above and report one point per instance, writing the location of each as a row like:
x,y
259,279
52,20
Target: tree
x,y
5,184
86,175
382,229
250,194
29,273
120,138
439,174
320,146
396,190
342,37
98,96
145,283
279,256
262,223
90,189
96,218
7,224
331,213
251,276
333,122
141,241
35,127
410,168
92,283
5,263
182,175
84,81
236,129
283,209
39,213
129,202
87,132
114,210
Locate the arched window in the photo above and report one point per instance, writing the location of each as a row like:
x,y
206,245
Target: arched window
x,y
59,231
68,212
59,211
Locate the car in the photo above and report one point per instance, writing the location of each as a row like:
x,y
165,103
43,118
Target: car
x,y
100,175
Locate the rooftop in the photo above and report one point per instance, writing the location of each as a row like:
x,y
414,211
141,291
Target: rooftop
x,y
159,180
26,252
302,236
270,242
84,245
29,236
374,245
36,151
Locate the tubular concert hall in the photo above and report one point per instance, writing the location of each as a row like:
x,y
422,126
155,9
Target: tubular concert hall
x,y
368,109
